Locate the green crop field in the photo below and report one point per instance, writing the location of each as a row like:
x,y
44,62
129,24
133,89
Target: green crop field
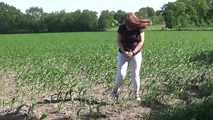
x,y
79,69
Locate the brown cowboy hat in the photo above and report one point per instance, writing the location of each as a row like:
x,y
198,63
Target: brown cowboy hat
x,y
134,22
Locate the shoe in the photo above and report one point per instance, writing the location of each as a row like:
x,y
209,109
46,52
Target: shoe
x,y
138,98
114,96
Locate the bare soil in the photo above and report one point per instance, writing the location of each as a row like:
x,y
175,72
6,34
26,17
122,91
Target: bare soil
x,y
50,107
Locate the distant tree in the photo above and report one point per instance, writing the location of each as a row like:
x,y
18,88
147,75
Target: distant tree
x,y
35,17
120,16
75,18
169,14
158,18
159,12
188,13
182,18
146,12
202,10
210,15
105,20
210,11
88,21
210,3
10,18
149,13
55,21
72,21
69,21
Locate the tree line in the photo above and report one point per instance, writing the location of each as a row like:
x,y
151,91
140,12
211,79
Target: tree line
x,y
182,13
34,19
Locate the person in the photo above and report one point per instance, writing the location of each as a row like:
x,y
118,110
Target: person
x,y
130,43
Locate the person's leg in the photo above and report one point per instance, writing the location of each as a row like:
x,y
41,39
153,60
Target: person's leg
x,y
122,64
135,73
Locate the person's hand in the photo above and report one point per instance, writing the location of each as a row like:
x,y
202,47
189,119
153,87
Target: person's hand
x,y
150,23
129,54
146,22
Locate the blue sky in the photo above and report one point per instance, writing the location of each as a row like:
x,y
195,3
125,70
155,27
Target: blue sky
x,y
96,5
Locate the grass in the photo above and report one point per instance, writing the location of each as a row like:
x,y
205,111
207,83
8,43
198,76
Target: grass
x,y
175,63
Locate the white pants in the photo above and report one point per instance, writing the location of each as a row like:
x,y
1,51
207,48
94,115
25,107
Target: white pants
x,y
122,65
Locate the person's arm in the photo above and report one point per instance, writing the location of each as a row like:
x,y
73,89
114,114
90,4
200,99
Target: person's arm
x,y
140,44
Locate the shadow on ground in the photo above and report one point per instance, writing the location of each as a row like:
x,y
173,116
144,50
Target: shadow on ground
x,y
197,103
13,116
201,110
93,115
23,112
205,57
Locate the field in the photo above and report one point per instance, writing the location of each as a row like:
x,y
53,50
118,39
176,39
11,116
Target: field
x,y
70,75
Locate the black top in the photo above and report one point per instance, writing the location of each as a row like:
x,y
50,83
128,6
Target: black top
x,y
129,38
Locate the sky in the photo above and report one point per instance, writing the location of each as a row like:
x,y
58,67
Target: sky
x,y
95,5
